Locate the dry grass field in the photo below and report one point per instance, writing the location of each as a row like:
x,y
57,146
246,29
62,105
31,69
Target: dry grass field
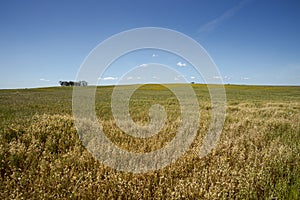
x,y
257,157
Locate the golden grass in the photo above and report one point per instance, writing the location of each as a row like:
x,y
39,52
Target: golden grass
x,y
257,157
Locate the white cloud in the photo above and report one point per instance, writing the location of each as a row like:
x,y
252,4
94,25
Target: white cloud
x,y
227,77
211,25
179,77
192,77
129,78
109,78
217,77
143,65
42,79
154,55
245,78
180,64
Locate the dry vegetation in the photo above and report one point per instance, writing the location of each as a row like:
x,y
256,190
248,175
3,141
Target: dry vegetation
x,y
258,155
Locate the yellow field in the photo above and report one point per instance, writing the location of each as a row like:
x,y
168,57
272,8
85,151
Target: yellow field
x,y
257,157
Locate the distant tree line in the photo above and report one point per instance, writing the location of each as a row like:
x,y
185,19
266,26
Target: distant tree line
x,y
73,83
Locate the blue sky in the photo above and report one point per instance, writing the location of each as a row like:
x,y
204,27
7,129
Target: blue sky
x,y
251,41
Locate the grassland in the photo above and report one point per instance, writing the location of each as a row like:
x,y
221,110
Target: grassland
x,y
257,157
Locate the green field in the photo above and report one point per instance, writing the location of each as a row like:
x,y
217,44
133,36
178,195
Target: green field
x,y
257,157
